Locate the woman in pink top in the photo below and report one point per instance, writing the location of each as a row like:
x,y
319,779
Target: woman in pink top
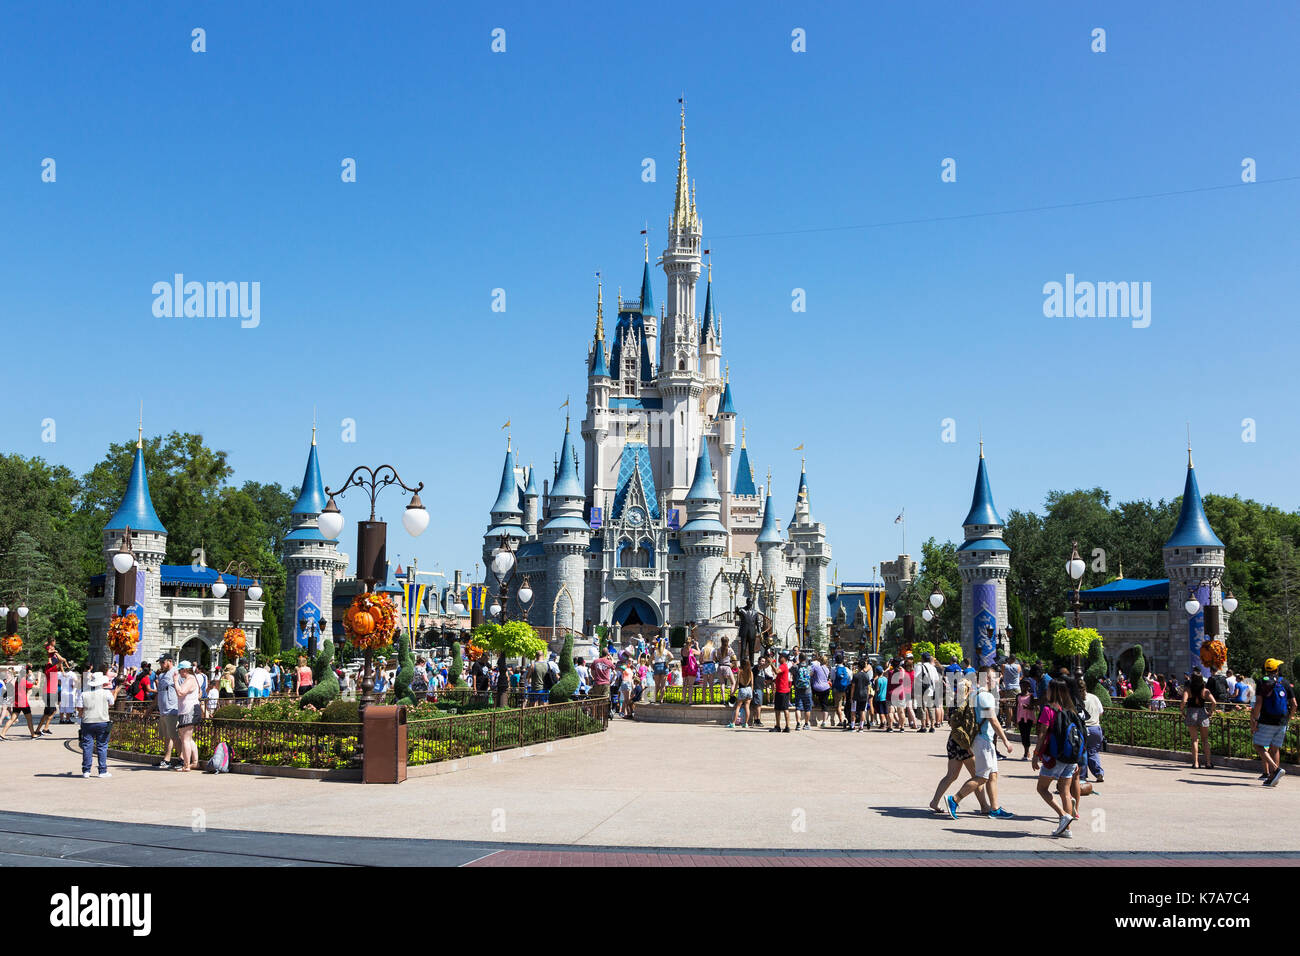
x,y
1157,693
690,669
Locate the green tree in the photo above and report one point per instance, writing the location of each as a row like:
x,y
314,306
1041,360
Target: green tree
x,y
513,639
27,578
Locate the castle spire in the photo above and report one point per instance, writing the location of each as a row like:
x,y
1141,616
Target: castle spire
x,y
136,510
681,208
311,493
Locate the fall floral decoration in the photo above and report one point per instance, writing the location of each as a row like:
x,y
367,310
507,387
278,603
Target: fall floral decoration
x,y
370,621
123,634
234,642
1214,655
12,645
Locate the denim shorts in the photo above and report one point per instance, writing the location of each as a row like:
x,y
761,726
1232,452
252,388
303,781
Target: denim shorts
x,y
1269,735
803,701
1059,770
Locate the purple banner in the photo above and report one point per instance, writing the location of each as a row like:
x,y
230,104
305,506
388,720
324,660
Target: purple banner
x,y
984,623
307,607
134,659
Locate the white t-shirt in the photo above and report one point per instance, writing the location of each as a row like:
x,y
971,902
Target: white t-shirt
x,y
260,678
1092,705
986,707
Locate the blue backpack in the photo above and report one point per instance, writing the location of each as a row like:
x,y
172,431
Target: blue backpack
x,y
802,676
842,677
1066,744
1276,703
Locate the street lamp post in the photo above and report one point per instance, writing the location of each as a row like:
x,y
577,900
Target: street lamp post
x,y
371,545
239,591
1075,568
931,614
1192,605
125,564
504,567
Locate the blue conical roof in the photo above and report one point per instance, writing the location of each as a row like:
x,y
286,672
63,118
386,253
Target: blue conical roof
x,y
800,495
311,497
136,510
1193,529
647,296
508,496
599,364
981,503
768,534
531,491
727,406
703,488
745,474
708,309
567,484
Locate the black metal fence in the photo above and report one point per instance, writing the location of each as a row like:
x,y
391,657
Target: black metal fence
x,y
322,746
1230,735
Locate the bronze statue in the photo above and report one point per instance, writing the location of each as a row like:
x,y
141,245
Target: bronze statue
x,y
753,623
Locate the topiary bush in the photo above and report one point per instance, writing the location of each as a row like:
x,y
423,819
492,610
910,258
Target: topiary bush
x,y
405,672
1071,642
340,712
564,688
325,685
454,672
948,652
1140,696
1095,672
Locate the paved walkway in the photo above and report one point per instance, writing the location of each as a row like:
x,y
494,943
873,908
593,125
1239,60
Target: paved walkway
x,y
663,785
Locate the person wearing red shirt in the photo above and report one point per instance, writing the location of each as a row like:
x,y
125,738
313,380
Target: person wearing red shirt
x,y
54,661
782,705
23,685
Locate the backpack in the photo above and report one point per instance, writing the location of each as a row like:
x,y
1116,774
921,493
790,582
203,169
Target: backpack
x,y
1276,703
548,679
1067,741
135,685
842,677
802,676
1219,687
964,727
219,762
420,682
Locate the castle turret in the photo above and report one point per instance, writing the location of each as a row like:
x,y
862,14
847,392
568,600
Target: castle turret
x,y
1194,560
704,541
565,540
149,541
984,561
595,427
311,563
507,516
532,500
808,542
770,543
710,336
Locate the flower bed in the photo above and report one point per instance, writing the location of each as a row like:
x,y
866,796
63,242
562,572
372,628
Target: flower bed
x,y
321,745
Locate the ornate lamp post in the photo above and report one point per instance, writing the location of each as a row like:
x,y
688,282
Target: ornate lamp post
x,y
504,567
931,614
372,544
239,591
125,566
1192,605
1075,568
890,614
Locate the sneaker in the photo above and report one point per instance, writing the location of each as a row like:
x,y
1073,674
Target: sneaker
x,y
86,774
48,731
1273,779
775,730
105,775
1065,835
163,764
1062,826
1262,776
931,730
1000,814
729,726
785,730
952,808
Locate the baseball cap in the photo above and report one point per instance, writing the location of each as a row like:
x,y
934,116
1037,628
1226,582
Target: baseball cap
x,y
1271,665
165,657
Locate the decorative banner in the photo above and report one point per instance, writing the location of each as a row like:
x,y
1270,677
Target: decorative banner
x,y
802,598
307,607
1196,632
411,608
597,515
876,617
674,518
133,660
476,597
984,623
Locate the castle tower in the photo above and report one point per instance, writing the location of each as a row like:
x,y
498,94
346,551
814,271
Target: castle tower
x,y
984,561
507,517
595,428
311,562
770,543
565,540
532,499
710,337
1194,560
808,542
149,541
704,541
681,262
897,575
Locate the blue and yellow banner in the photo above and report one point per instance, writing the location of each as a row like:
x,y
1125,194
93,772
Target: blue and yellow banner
x,y
476,597
412,601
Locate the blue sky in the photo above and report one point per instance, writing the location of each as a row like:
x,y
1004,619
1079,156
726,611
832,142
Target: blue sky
x,y
522,171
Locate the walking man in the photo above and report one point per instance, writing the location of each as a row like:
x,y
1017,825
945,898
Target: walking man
x,y
95,704
1269,718
167,703
988,731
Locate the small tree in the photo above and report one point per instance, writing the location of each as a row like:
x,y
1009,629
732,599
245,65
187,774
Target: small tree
x,y
923,647
1096,671
567,685
1072,643
513,639
1140,696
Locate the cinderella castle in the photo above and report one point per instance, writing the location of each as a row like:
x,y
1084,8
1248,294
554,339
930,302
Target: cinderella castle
x,y
661,523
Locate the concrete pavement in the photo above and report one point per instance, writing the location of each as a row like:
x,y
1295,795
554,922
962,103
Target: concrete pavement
x,y
666,785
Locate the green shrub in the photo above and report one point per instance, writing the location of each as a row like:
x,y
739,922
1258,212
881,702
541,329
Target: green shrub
x,y
230,712
1071,642
1096,671
948,652
454,677
1140,696
405,671
567,685
340,712
325,686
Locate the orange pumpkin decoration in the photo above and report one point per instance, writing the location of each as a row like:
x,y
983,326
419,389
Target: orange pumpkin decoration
x,y
363,623
12,644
